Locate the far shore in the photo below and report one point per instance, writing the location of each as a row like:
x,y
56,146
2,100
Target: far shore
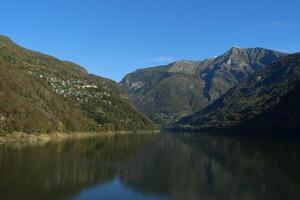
x,y
43,138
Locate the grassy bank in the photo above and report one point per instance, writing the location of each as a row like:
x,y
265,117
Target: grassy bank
x,y
43,138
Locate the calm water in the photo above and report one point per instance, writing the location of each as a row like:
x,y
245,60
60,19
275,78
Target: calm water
x,y
148,167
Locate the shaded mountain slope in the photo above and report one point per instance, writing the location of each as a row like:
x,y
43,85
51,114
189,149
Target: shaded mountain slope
x,y
39,93
268,100
168,93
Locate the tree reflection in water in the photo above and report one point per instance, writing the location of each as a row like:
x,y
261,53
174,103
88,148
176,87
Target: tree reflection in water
x,y
174,166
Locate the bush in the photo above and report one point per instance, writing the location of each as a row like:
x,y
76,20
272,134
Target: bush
x,y
2,132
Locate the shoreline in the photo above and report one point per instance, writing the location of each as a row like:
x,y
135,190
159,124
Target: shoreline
x,y
43,138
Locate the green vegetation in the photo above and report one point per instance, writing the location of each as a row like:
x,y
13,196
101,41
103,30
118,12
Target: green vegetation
x,y
1,132
268,100
39,93
168,93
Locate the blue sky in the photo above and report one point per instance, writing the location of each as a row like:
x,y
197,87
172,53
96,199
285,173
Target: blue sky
x,y
111,38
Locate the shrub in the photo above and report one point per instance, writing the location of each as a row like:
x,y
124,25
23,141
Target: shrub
x,y
2,132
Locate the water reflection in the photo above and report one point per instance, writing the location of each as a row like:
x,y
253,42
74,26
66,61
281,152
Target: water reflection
x,y
61,170
181,166
207,167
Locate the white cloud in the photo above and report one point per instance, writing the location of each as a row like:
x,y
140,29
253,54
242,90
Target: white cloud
x,y
277,24
282,24
160,59
291,50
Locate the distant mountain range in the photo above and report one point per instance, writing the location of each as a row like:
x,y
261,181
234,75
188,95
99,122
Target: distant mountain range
x,y
39,93
251,89
269,100
168,93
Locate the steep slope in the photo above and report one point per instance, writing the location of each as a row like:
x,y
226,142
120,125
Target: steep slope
x,y
39,93
267,101
168,93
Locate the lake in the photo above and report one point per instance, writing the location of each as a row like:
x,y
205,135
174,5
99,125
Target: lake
x,y
152,167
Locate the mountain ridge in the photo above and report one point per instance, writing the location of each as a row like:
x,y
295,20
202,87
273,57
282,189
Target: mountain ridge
x,y
267,101
198,83
40,93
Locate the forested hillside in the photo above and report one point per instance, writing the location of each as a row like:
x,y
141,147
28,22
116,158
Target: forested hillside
x,y
39,93
168,93
267,101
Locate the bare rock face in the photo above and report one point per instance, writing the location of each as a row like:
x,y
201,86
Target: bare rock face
x,y
184,66
170,92
266,101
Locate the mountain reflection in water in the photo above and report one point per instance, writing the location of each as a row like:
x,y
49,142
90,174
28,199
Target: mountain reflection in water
x,y
163,166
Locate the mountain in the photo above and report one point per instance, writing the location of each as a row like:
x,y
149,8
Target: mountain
x,y
39,93
269,100
168,93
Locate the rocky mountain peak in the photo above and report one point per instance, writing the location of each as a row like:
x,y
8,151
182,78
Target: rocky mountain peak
x,y
269,95
184,66
236,48
167,93
235,51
